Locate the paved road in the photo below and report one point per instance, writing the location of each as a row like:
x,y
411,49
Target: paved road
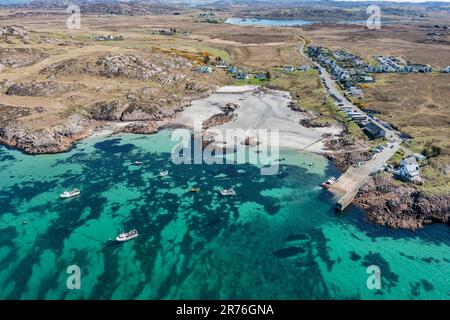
x,y
349,183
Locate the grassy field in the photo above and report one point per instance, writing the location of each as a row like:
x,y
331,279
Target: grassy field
x,y
417,104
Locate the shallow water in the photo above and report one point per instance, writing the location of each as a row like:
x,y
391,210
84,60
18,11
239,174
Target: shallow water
x,y
267,22
278,238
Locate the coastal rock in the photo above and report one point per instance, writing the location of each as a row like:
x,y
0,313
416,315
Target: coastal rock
x,y
313,123
145,111
53,140
141,127
218,119
389,204
108,111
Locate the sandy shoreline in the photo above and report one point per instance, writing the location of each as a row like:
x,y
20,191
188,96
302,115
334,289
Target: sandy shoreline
x,y
258,109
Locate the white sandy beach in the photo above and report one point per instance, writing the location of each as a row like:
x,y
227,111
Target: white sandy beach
x,y
258,110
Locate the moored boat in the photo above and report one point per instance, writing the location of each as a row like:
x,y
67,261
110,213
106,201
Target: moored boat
x,y
70,194
195,190
228,192
126,236
164,173
138,163
327,184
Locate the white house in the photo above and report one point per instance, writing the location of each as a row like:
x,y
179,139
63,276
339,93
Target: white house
x,y
289,69
409,169
204,69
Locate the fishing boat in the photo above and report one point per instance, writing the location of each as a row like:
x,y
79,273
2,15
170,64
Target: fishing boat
x,y
164,173
195,190
228,192
126,236
327,184
70,194
138,163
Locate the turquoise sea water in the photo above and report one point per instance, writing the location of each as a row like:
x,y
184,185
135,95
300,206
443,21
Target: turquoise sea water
x,y
279,238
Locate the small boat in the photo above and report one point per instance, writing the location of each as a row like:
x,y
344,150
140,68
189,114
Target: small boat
x,y
126,236
228,192
327,184
70,194
195,190
164,173
138,163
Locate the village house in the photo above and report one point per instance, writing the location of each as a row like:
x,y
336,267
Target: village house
x,y
242,76
354,91
203,69
409,170
232,70
261,76
374,130
304,68
446,70
289,69
367,79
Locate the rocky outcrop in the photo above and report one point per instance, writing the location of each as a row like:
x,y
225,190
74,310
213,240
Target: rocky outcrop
x,y
218,119
141,127
21,57
38,89
313,123
108,111
389,204
127,65
54,140
146,111
11,33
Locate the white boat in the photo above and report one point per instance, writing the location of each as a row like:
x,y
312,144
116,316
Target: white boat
x,y
138,163
126,236
163,173
70,194
327,184
228,192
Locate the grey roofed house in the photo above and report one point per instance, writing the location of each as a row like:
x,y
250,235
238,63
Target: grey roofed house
x,y
375,130
354,91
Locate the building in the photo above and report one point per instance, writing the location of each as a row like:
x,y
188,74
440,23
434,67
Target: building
x,y
409,170
303,68
289,69
232,70
446,70
368,79
375,130
261,76
204,69
354,91
242,76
